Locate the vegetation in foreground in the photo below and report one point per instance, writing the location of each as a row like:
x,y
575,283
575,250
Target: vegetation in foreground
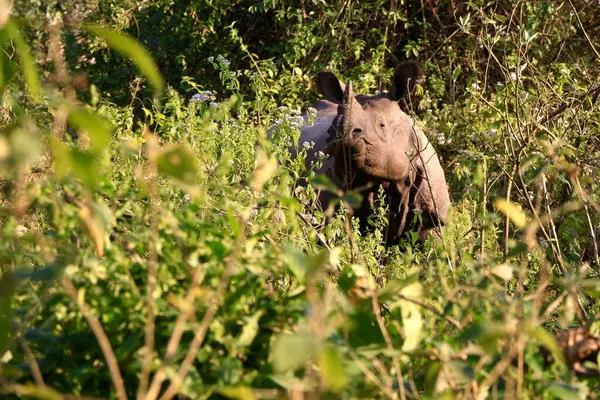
x,y
155,243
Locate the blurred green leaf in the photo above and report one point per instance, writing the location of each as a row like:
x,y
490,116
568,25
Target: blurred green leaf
x,y
266,166
302,265
503,271
431,378
30,73
512,211
7,70
354,199
411,314
486,334
290,351
566,392
179,163
81,163
20,144
322,182
133,50
331,366
98,128
547,341
239,393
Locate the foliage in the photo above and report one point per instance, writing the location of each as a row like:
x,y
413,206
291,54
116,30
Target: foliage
x,y
159,242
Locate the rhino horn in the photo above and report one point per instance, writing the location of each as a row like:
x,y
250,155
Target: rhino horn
x,y
351,109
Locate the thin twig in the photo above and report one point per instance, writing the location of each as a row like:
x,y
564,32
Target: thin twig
x,y
39,391
33,364
368,374
389,344
178,329
109,355
148,351
566,106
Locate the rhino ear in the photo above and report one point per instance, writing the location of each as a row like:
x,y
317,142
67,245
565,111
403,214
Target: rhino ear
x,y
330,86
406,77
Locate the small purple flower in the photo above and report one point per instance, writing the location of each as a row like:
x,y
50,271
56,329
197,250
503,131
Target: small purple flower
x,y
223,61
200,97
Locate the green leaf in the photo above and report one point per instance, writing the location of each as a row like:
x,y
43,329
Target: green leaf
x,y
30,73
566,392
292,350
411,315
353,199
456,73
485,333
133,50
323,182
82,164
98,128
512,211
178,163
547,341
74,161
249,330
302,265
331,366
7,70
7,289
239,393
431,378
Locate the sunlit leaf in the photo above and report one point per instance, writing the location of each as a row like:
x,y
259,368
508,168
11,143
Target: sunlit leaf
x,y
411,315
96,220
265,169
133,50
503,271
331,366
239,393
250,330
513,211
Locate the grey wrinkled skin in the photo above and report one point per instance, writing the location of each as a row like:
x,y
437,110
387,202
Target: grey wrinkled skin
x,y
372,143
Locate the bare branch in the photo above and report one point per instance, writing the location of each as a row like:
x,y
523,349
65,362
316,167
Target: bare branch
x,y
103,341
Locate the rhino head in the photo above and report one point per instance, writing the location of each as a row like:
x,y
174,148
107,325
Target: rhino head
x,y
371,136
373,143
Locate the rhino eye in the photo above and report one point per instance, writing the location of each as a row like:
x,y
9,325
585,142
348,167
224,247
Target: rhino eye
x,y
381,125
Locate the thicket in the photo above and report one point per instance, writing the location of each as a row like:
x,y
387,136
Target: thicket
x,y
155,243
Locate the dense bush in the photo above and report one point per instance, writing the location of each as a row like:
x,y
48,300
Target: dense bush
x,y
156,242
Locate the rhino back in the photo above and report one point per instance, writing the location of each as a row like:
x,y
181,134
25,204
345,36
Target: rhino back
x,y
434,194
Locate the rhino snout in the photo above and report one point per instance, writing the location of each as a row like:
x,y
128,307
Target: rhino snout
x,y
353,136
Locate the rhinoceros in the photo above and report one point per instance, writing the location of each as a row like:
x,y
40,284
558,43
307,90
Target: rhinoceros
x,y
371,143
